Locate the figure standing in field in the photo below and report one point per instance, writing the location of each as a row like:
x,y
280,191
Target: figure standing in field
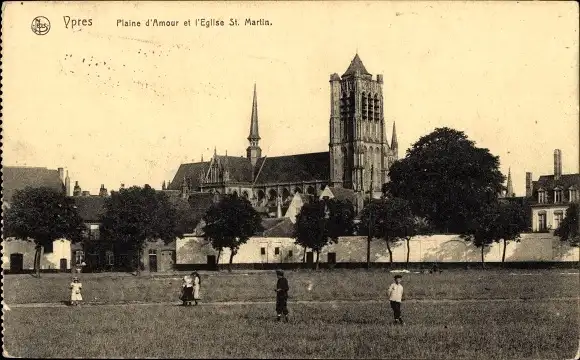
x,y
75,291
187,290
395,293
196,286
282,296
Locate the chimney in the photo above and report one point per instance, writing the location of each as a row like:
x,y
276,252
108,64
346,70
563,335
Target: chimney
x,y
102,191
77,190
557,164
529,184
61,174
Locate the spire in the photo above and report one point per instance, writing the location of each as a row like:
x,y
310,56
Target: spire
x,y
254,134
510,188
394,143
356,65
201,157
215,151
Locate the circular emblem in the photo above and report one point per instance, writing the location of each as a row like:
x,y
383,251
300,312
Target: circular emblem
x,y
40,25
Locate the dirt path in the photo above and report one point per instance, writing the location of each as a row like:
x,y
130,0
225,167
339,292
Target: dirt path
x,y
238,303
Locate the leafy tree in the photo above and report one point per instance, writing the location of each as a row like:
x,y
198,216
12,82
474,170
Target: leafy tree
x,y
135,215
390,220
482,229
569,230
230,223
43,215
320,223
511,222
446,179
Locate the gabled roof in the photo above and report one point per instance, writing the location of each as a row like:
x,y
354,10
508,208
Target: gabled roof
x,y
343,194
192,172
356,64
293,168
90,208
18,178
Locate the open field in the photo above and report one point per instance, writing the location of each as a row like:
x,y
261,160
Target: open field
x,y
542,329
305,285
497,315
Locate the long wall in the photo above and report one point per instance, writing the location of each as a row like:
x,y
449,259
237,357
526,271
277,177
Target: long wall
x,y
435,248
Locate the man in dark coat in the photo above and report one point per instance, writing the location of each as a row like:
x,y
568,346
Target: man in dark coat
x,y
282,296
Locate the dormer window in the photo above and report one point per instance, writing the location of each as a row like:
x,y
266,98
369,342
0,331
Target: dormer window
x,y
557,195
542,199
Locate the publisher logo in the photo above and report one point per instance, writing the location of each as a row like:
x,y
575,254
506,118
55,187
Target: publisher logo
x,y
40,25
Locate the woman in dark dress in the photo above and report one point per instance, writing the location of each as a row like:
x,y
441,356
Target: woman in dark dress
x,y
187,290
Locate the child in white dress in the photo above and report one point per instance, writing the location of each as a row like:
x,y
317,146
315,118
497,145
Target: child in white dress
x,y
75,294
196,287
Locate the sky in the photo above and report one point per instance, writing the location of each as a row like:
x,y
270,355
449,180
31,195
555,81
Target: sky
x,y
115,104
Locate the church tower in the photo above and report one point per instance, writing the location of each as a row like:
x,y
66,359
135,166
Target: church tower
x,y
254,152
358,141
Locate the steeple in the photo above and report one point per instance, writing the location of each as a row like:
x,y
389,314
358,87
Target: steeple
x,y
254,133
67,185
356,65
510,188
394,142
254,152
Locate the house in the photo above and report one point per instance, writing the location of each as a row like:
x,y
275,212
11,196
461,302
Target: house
x,y
551,195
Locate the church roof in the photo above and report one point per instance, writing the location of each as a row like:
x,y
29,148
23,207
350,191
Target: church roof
x,y
18,178
240,168
356,64
192,172
293,168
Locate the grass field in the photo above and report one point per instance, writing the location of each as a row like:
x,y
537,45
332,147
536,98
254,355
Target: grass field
x,y
538,318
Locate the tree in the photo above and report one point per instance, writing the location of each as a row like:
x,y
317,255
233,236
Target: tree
x,y
511,222
320,223
482,229
446,179
135,215
230,223
390,220
569,229
43,215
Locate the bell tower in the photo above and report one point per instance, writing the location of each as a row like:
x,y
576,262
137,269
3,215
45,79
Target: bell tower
x,y
358,141
254,152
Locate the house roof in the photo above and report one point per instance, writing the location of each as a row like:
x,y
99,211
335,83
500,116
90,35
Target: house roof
x,y
547,182
293,168
356,64
282,228
343,194
18,178
90,208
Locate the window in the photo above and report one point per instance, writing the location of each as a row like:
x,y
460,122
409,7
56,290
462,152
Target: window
x,y
290,253
573,195
558,217
94,232
542,226
277,251
541,196
79,256
263,251
557,196
152,252
110,258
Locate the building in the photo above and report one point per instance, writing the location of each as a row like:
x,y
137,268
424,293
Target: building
x,y
18,255
358,146
550,196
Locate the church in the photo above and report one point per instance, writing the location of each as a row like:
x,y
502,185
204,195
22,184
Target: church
x,y
358,158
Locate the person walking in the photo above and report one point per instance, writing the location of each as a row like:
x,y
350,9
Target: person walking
x,y
395,294
282,289
196,286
